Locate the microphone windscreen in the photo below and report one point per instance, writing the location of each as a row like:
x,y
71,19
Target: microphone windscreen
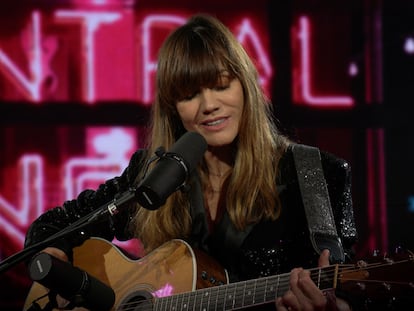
x,y
171,170
71,283
191,147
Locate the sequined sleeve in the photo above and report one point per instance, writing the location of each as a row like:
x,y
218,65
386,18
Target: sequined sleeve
x,y
60,217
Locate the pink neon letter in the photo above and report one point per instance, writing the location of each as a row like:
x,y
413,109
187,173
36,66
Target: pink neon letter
x,y
90,23
29,86
247,32
303,86
14,219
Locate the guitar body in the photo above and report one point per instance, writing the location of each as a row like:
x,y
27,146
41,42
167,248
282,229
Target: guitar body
x,y
170,269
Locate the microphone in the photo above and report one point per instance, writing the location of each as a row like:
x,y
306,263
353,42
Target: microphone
x,y
171,171
72,283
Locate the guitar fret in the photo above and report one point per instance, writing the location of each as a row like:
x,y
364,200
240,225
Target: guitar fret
x,y
198,301
280,290
265,290
217,305
205,300
271,288
318,283
219,299
171,303
249,297
229,297
182,305
210,298
238,295
176,305
283,286
159,304
221,294
244,293
322,278
167,305
162,302
260,291
185,304
192,300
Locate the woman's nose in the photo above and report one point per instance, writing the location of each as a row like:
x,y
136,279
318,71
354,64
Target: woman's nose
x,y
209,100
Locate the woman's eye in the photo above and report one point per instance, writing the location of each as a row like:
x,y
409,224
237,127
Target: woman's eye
x,y
221,87
189,97
223,83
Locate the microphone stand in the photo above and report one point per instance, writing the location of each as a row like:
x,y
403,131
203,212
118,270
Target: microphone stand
x,y
96,216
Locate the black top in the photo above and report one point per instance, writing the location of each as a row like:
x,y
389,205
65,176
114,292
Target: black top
x,y
267,248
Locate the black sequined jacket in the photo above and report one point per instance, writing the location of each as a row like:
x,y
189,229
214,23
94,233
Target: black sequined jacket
x,y
270,247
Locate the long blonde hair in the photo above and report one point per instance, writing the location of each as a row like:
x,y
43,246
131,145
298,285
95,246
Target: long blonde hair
x,y
191,57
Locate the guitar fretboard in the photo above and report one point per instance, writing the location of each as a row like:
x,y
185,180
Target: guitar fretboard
x,y
241,294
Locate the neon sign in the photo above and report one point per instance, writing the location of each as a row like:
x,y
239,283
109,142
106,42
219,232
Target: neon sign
x,y
102,26
107,154
97,72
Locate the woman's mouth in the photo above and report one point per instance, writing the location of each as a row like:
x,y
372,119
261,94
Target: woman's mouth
x,y
215,122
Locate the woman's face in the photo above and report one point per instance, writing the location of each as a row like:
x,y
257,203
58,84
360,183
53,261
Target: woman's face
x,y
215,112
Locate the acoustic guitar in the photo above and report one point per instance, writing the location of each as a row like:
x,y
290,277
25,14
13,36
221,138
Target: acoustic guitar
x,y
177,277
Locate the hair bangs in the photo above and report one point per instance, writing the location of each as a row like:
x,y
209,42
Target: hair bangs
x,y
197,62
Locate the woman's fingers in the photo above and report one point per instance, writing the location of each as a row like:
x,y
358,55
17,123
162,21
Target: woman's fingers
x,y
56,253
279,305
309,292
303,293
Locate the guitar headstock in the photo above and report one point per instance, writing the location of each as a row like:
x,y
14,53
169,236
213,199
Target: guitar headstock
x,y
382,281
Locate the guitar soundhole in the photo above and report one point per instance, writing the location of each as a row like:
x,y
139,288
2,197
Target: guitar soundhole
x,y
136,301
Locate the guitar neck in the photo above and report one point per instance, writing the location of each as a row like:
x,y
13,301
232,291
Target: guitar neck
x,y
243,294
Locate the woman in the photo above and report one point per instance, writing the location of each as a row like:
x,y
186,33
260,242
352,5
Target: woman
x,y
245,183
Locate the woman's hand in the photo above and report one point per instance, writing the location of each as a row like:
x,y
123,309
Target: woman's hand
x,y
304,294
56,252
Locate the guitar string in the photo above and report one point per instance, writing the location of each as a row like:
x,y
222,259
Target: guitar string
x,y
348,269
282,287
150,306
